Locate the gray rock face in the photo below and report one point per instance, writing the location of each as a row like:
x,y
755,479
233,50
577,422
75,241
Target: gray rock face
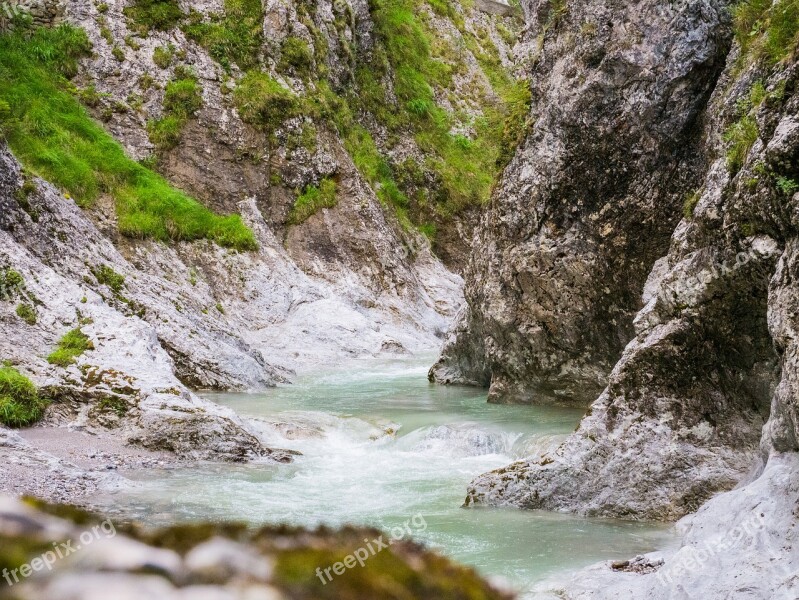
x,y
591,198
713,359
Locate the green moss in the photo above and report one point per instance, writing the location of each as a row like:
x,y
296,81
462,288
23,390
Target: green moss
x,y
263,102
312,200
105,275
296,57
690,204
235,37
182,98
20,404
387,575
70,346
162,15
26,313
54,137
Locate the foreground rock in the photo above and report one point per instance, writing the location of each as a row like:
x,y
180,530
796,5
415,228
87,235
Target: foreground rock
x,y
198,562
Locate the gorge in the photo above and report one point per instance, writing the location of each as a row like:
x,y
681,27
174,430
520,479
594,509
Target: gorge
x,y
234,234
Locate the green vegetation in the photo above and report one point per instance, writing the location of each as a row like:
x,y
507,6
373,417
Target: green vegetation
x,y
145,15
163,56
766,29
105,275
312,200
743,133
419,66
11,284
787,186
740,136
182,99
111,404
690,204
70,346
53,136
233,37
26,313
296,57
20,404
264,103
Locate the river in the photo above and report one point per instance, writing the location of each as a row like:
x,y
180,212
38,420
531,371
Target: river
x,y
381,446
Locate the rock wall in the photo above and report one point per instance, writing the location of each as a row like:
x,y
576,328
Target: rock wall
x,y
704,396
590,200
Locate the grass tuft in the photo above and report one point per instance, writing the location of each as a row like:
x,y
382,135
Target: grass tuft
x,y
263,102
766,29
182,98
312,200
26,313
70,346
161,15
235,37
20,404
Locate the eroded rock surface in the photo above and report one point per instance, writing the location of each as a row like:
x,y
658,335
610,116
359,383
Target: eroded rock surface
x,y
591,197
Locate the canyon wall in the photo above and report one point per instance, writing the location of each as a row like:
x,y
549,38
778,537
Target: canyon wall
x,y
648,259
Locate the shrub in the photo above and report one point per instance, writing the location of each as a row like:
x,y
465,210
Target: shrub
x,y
70,346
312,200
54,137
145,15
263,102
20,404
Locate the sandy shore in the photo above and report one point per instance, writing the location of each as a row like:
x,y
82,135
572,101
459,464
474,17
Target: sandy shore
x,y
60,464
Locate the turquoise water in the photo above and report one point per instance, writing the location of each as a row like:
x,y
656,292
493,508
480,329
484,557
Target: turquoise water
x,y
381,446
